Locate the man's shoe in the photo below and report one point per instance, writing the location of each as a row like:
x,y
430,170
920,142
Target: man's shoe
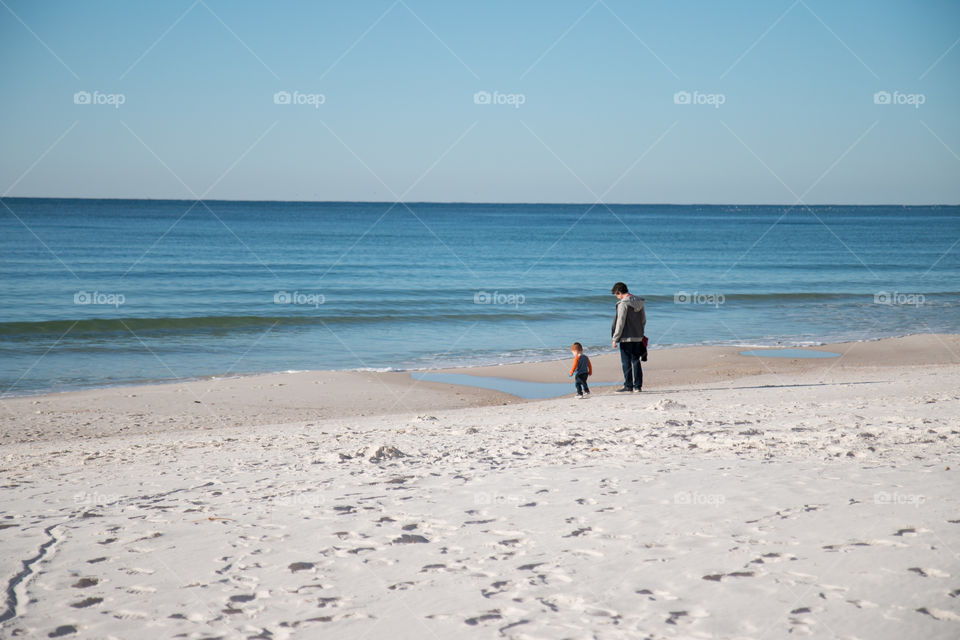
x,y
624,390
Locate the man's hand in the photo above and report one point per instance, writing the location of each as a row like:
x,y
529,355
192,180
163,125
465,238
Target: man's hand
x,y
613,343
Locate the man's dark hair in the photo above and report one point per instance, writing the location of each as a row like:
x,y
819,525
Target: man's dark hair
x,y
619,288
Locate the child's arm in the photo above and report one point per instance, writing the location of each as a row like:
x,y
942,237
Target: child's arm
x,y
589,367
574,367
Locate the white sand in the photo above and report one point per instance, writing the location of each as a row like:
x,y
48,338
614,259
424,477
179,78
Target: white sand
x,y
825,504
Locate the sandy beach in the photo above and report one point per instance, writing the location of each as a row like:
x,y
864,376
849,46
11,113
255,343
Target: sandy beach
x,y
737,497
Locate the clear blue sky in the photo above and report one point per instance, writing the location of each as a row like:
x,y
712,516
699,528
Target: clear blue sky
x,y
399,120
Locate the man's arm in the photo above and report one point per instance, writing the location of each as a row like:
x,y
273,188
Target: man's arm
x,y
621,320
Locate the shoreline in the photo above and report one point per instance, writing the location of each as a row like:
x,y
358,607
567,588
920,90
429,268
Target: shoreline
x,y
269,399
467,368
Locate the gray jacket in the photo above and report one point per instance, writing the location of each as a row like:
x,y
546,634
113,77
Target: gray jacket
x,y
631,320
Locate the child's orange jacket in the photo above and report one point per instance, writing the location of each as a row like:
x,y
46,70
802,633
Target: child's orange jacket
x,y
576,363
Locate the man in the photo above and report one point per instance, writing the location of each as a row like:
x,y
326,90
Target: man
x,y
628,330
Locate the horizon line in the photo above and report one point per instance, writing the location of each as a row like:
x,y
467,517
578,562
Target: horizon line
x,y
491,202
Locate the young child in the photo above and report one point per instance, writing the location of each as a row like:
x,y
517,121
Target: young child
x,y
581,369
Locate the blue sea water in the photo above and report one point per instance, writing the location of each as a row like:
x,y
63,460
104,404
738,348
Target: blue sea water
x,y
106,292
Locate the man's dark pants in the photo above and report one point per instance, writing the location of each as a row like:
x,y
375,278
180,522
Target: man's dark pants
x,y
630,354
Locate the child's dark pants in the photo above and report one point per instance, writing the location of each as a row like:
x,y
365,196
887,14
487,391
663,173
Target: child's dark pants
x,y
581,381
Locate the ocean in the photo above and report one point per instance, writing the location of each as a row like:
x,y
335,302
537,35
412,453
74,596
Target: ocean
x,y
109,292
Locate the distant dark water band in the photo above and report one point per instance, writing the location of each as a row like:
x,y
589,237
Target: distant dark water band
x,y
409,312
215,324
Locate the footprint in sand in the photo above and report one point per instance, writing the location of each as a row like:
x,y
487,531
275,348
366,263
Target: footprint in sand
x,y
141,589
939,614
718,577
674,616
863,604
772,557
86,602
401,586
495,589
929,573
125,614
493,614
358,550
62,630
84,583
246,597
139,550
410,539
